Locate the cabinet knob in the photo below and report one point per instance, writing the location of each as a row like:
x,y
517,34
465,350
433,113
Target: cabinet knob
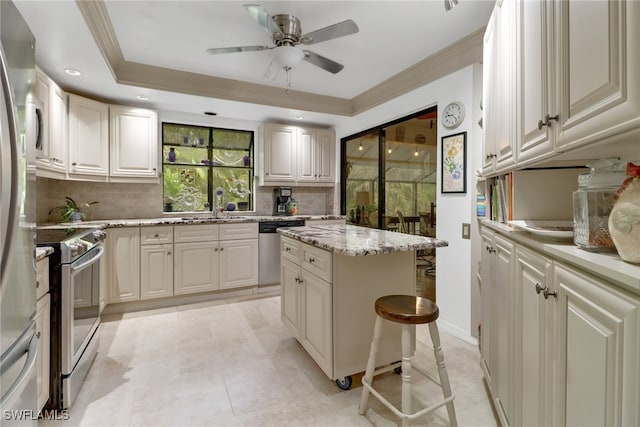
x,y
490,156
539,288
38,334
221,249
37,284
73,164
312,260
547,121
215,250
156,235
169,253
287,249
547,293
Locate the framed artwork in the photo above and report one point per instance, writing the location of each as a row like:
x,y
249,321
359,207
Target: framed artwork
x,y
454,163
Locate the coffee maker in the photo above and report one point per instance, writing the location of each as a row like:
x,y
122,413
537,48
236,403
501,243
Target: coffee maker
x,y
281,197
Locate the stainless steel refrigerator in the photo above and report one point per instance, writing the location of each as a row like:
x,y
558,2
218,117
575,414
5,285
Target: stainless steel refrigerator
x,y
18,344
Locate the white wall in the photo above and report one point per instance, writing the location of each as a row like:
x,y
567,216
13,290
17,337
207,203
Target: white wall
x,y
453,263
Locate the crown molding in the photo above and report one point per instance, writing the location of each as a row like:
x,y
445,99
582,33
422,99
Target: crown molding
x,y
462,53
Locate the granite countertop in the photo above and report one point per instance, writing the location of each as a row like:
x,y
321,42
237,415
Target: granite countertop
x,y
136,222
43,251
352,240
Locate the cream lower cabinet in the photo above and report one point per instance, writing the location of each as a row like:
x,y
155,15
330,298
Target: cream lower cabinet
x,y
43,322
123,264
211,257
156,262
307,306
497,267
597,352
534,334
575,343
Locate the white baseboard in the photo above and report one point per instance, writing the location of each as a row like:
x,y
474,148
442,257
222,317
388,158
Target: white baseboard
x,y
457,332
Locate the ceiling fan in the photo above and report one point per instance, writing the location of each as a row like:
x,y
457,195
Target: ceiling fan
x,y
285,31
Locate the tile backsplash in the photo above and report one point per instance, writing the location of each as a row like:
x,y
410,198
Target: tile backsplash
x,y
121,201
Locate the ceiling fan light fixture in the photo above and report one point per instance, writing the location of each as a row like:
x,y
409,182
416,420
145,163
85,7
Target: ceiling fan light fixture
x,y
287,56
450,4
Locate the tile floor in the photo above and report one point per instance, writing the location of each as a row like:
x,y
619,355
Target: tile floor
x,y
233,363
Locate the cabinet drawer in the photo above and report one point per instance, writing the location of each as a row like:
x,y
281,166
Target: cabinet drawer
x,y
316,261
195,233
42,277
156,235
244,230
290,249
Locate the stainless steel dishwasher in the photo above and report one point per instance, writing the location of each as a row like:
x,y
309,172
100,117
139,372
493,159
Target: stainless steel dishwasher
x,y
269,249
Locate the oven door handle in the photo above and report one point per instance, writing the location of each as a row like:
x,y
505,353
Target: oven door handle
x,y
75,268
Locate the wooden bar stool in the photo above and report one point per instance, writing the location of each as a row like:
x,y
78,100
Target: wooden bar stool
x,y
409,311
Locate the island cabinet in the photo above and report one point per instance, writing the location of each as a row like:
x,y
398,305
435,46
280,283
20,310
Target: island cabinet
x,y
572,330
331,277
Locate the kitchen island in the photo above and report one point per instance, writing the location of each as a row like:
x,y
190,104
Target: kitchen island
x,y
331,276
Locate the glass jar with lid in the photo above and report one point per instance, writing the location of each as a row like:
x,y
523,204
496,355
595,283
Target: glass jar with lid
x,y
592,203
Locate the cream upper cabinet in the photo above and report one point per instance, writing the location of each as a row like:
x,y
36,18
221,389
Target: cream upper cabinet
x,y
499,94
559,75
52,160
133,144
279,145
297,156
534,37
88,138
598,63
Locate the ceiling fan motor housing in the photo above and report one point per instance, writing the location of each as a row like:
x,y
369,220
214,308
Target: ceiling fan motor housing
x,y
291,30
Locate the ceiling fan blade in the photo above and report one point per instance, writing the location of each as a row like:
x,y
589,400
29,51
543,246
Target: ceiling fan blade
x,y
322,62
334,31
217,50
264,19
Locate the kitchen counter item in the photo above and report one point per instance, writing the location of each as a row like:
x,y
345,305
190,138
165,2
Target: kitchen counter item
x,y
592,204
556,230
624,220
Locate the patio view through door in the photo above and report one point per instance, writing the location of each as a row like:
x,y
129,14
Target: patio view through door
x,y
389,182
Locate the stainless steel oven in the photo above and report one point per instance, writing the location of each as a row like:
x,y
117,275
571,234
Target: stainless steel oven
x,y
75,318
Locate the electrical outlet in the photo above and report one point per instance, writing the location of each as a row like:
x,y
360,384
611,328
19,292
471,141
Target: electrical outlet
x,y
466,230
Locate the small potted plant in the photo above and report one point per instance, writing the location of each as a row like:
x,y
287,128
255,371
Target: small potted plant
x,y
71,211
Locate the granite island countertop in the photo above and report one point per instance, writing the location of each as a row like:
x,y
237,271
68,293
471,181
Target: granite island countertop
x,y
43,251
186,219
352,240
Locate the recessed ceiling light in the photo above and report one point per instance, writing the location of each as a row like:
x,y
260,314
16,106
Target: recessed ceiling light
x,y
143,97
72,72
299,117
210,113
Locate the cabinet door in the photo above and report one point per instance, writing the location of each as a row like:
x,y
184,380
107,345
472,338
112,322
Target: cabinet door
x,y
238,263
486,297
88,137
325,156
598,93
43,310
498,90
502,269
123,252
290,294
534,32
306,146
156,271
195,267
533,339
42,91
598,378
317,321
134,143
280,153
58,129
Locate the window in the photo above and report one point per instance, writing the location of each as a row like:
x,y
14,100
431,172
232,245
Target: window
x,y
204,168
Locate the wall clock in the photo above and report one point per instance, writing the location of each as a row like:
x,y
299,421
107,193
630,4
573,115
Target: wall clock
x,y
453,115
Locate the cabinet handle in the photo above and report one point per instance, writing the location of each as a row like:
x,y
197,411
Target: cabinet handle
x,y
73,164
287,249
490,250
221,249
539,288
38,334
300,281
297,280
547,293
490,156
168,253
37,284
547,120
215,250
312,260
